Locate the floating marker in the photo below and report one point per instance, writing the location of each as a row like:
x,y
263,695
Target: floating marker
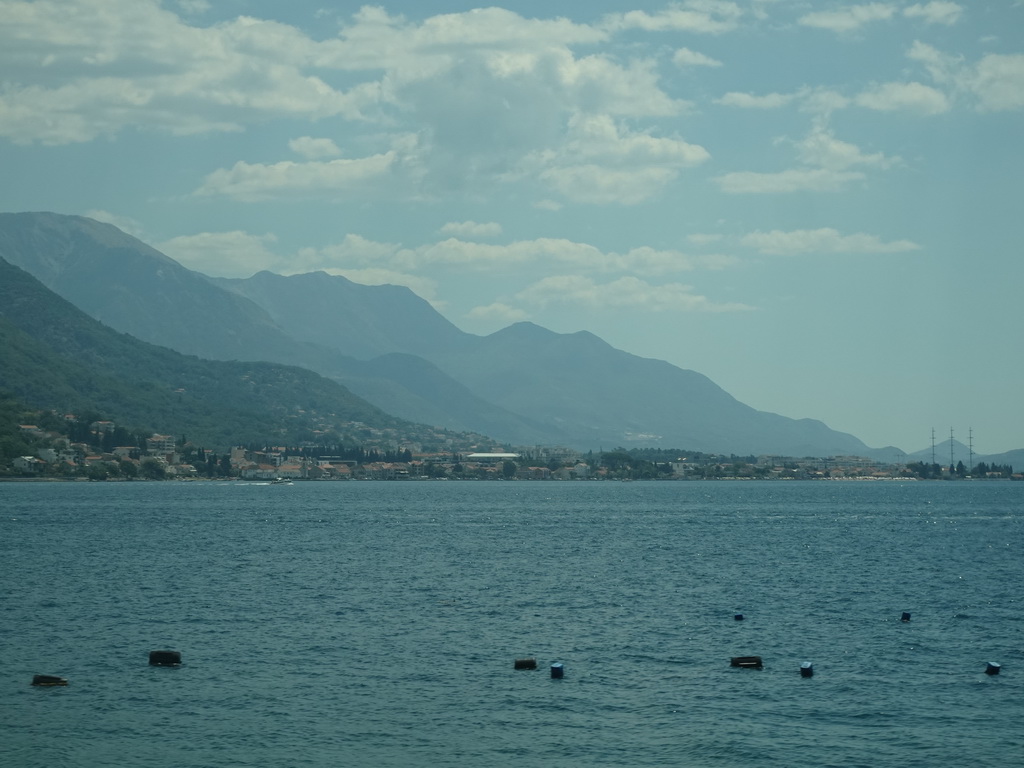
x,y
738,617
48,680
557,671
905,616
165,658
807,669
748,662
992,668
525,664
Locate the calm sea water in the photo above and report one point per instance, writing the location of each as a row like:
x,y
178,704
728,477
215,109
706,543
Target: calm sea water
x,y
376,624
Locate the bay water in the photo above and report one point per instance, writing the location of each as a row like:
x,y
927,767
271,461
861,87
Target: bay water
x,y
377,623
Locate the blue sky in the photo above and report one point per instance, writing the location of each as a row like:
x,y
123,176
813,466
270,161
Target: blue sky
x,y
816,204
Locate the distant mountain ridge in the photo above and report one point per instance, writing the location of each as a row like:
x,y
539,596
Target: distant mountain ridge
x,y
523,385
361,321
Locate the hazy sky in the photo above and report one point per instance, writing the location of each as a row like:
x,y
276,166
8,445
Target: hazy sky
x,y
816,204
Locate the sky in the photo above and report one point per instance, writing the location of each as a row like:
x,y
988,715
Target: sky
x,y
818,205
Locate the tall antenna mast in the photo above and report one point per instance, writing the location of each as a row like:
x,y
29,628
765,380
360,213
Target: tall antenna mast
x,y
970,448
933,446
951,450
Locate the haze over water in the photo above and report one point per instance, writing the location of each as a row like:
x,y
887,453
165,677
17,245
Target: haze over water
x,y
376,624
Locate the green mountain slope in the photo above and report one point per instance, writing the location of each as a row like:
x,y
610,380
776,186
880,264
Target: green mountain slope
x,y
52,355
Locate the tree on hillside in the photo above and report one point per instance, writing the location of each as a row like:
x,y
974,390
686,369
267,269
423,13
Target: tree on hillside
x,y
152,469
617,460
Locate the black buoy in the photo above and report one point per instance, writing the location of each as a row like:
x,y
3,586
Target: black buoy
x,y
747,662
557,671
806,669
992,668
165,658
525,664
738,617
905,616
48,681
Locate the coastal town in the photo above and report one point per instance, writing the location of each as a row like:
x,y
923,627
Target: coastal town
x,y
56,456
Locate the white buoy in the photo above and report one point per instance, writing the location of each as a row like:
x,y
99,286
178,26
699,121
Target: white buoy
x,y
806,669
557,671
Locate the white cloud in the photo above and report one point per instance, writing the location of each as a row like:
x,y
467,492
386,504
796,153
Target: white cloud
x,y
824,240
684,57
126,63
998,82
496,97
821,148
623,293
828,165
818,101
942,67
356,252
377,41
704,16
488,256
937,12
76,71
501,55
252,182
498,313
124,223
314,149
224,254
750,101
597,136
602,163
793,180
848,18
597,84
599,185
815,100
822,101
914,97
471,229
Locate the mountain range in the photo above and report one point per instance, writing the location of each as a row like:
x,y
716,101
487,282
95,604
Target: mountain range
x,y
523,385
